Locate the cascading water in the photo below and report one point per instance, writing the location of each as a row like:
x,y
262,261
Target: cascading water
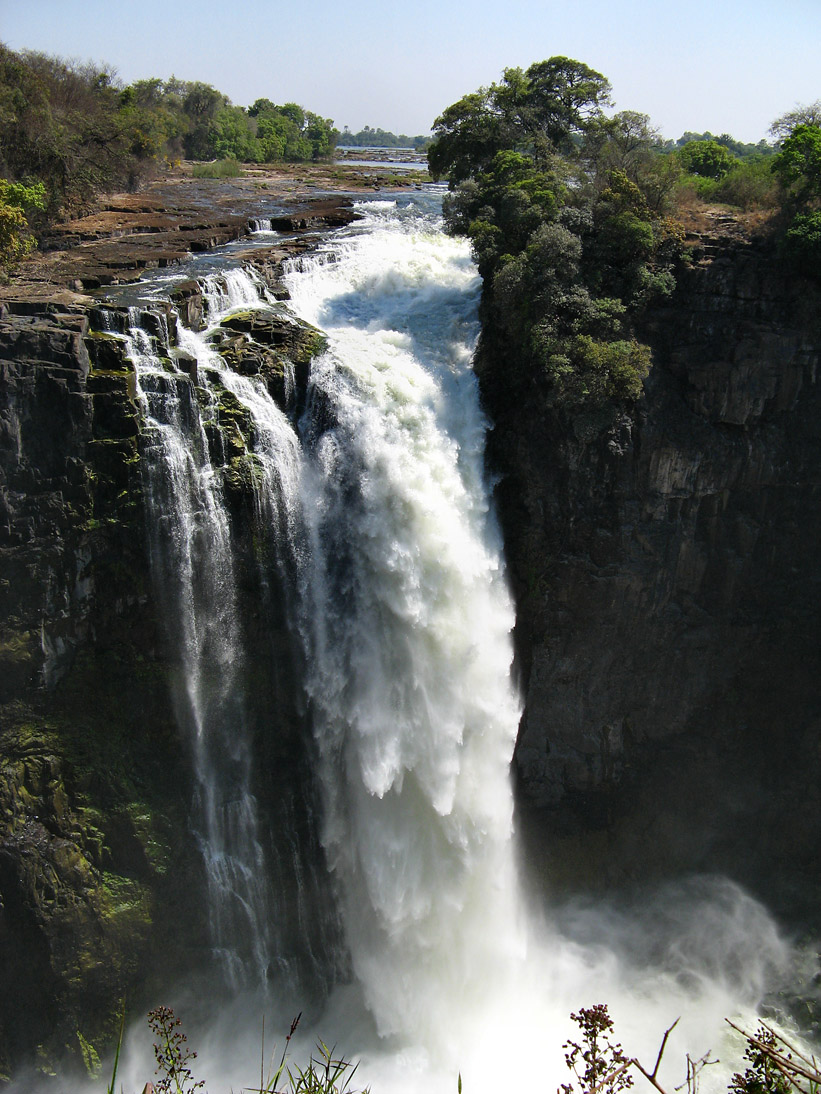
x,y
379,512
193,567
407,621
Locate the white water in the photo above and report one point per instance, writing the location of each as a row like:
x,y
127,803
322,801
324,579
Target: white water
x,y
407,622
382,508
194,578
408,625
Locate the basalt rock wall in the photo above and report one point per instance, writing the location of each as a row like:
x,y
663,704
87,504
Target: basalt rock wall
x,y
101,883
666,573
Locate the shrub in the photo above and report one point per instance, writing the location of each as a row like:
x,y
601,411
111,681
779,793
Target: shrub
x,y
16,201
801,245
590,373
219,169
599,1063
750,185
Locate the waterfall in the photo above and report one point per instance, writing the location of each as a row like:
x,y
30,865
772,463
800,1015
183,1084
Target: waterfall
x,y
407,619
195,576
193,569
373,516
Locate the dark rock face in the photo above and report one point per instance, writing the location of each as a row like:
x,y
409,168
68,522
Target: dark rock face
x,y
666,574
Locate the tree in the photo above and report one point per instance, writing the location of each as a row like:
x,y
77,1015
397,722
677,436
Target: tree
x,y
798,164
467,136
785,124
707,159
555,100
261,106
562,208
539,111
201,104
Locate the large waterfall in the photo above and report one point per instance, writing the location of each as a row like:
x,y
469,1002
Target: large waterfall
x,y
381,532
407,622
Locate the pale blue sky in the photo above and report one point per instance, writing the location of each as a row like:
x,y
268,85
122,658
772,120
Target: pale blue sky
x,y
723,65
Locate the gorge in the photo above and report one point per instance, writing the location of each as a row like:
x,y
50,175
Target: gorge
x,y
257,714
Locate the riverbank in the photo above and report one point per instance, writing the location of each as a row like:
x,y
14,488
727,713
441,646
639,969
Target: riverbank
x,y
178,215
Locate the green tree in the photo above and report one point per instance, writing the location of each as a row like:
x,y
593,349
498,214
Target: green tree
x,y
798,164
564,211
552,101
230,134
201,105
467,136
707,159
16,201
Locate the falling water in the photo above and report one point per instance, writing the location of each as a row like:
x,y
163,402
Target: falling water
x,y
192,564
407,620
377,511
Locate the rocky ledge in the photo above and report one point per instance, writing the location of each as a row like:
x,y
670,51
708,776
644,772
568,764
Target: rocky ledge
x,y
164,224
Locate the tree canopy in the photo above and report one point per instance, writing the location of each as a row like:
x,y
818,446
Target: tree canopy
x,y
708,159
564,208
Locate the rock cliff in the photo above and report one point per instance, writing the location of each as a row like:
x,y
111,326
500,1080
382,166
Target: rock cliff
x,y
101,883
666,575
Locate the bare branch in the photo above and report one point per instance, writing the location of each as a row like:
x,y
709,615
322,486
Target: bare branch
x,y
667,1033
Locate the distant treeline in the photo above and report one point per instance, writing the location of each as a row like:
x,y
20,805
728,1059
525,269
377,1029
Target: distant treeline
x,y
380,138
75,129
739,149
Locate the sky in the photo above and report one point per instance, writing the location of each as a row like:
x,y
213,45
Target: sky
x,y
727,66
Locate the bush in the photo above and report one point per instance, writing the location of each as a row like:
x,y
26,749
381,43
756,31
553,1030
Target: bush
x,y
589,373
750,185
801,245
16,201
219,169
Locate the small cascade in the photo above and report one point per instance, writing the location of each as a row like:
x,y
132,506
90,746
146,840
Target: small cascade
x,y
230,290
193,568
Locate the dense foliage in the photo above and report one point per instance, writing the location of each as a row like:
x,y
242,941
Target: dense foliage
x,y
565,210
76,131
708,159
798,167
740,149
16,203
